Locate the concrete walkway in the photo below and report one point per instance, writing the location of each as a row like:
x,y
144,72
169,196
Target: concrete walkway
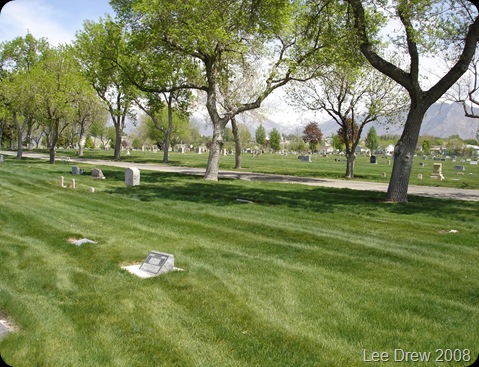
x,y
429,191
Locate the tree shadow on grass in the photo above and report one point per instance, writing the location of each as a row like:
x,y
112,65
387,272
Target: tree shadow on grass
x,y
157,186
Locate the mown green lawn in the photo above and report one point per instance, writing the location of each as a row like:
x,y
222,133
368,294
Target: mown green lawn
x,y
304,276
324,167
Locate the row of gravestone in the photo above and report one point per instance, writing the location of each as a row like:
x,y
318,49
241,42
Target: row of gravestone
x,y
132,175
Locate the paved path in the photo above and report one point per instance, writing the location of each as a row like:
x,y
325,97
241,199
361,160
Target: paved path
x,y
437,192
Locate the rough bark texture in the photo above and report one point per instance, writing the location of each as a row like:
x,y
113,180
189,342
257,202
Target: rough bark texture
x,y
117,154
19,137
350,157
215,153
420,100
404,156
238,148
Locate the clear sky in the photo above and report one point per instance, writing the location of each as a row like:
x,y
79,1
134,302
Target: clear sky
x,y
56,20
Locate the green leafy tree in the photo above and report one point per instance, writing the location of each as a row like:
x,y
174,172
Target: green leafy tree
x,y
88,109
137,143
428,26
297,144
100,48
275,140
312,135
351,89
89,143
214,35
158,127
99,130
426,147
260,135
175,104
372,140
56,81
244,135
17,58
337,142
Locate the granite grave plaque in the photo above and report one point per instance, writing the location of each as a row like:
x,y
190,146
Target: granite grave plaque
x,y
305,158
158,262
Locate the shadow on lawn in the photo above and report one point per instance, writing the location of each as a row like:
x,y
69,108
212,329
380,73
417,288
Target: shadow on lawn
x,y
180,187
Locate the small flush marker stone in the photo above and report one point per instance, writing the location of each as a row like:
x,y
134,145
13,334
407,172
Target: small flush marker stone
x,y
156,263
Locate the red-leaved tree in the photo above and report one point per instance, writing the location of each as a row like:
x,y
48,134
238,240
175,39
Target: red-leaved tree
x,y
312,135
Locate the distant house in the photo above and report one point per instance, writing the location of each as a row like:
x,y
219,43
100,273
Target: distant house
x,y
325,149
475,148
360,150
389,150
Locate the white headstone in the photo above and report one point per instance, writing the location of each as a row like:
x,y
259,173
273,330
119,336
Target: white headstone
x,y
2,158
132,177
437,171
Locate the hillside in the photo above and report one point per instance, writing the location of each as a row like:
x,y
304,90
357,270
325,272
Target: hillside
x,y
442,120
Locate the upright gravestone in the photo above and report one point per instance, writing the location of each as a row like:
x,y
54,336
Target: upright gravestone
x,y
132,177
437,171
97,174
157,263
75,170
305,158
2,158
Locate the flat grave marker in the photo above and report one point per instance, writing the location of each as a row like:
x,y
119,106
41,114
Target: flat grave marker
x,y
158,262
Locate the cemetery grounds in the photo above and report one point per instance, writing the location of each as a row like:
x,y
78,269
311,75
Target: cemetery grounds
x,y
301,276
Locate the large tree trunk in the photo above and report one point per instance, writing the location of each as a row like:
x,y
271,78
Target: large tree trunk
x,y
117,153
20,130
81,143
215,153
55,137
52,154
19,143
404,156
350,157
166,145
237,143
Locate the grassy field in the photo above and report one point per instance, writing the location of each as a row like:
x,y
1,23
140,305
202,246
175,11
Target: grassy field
x,y
325,167
304,276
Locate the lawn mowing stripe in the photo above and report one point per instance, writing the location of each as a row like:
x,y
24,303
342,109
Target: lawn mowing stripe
x,y
294,278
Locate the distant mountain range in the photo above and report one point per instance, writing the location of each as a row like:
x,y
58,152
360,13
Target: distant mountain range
x,y
442,120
